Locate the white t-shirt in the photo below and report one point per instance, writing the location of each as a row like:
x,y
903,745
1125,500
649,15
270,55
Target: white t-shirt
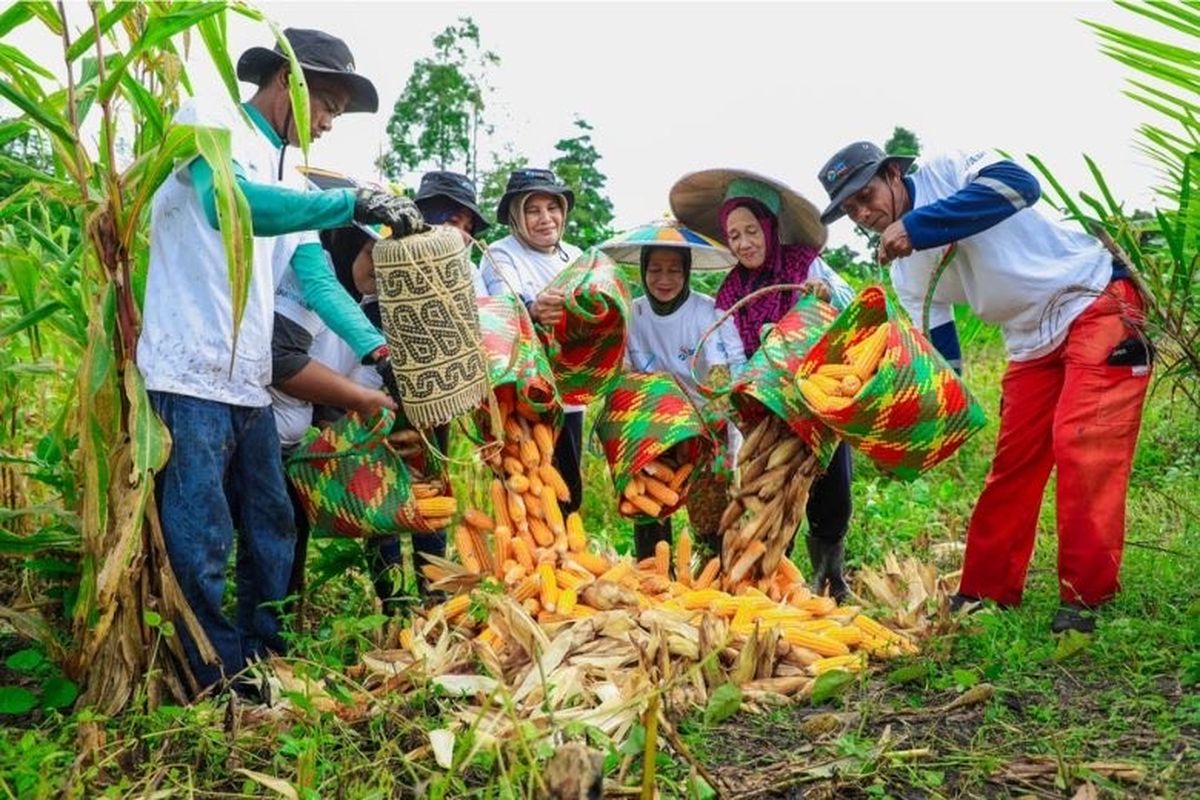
x,y
186,341
510,266
1029,274
292,416
667,343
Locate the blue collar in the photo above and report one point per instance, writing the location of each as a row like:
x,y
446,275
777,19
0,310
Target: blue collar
x,y
911,187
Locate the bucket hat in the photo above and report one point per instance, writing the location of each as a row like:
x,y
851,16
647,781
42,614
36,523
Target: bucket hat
x,y
852,168
318,52
697,197
530,179
452,186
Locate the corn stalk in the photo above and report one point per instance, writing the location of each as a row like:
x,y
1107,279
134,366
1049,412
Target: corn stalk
x,y
122,73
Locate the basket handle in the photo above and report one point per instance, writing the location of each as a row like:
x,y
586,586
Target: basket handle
x,y
361,436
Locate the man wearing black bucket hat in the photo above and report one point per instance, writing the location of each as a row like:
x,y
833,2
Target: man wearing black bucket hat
x,y
224,473
960,229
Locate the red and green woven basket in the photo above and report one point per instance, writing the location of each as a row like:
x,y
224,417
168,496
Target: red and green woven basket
x,y
766,385
644,416
515,357
352,482
915,411
588,347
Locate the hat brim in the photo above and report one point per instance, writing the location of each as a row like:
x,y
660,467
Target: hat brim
x,y
708,255
861,177
258,63
697,197
478,223
537,188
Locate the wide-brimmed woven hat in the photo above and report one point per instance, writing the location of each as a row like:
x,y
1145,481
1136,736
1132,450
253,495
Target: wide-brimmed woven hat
x,y
318,52
696,199
531,179
707,253
850,169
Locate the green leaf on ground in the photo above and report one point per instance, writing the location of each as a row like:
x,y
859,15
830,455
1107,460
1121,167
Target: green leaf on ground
x,y
830,684
16,700
723,704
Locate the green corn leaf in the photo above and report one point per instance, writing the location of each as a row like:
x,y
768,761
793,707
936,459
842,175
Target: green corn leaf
x,y
48,14
233,212
148,106
177,147
15,15
55,125
29,320
87,37
297,91
212,32
150,438
159,28
10,56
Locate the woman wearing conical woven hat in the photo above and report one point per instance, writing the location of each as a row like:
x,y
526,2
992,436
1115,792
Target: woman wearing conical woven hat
x,y
535,206
776,236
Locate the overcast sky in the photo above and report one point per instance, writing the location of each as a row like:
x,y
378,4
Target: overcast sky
x,y
772,87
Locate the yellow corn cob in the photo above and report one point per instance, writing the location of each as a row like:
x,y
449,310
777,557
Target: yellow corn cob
x,y
567,579
535,483
489,637
681,476
580,611
482,554
478,520
743,618
700,599
436,506
512,429
501,549
819,400
662,558
597,565
633,489
708,574
554,517
532,606
549,586
646,505
516,508
661,492
683,559
789,569
877,630
513,466
819,606
527,588
566,601
466,549
865,354
838,371
456,606
518,484
423,490
552,478
617,571
500,504
544,438
847,635
534,509
825,383
657,469
850,386
851,663
531,457
576,536
819,644
541,533
522,553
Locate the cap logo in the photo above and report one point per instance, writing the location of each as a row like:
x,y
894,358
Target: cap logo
x,y
836,171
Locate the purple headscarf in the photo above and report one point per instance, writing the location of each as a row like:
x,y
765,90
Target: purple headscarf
x,y
784,263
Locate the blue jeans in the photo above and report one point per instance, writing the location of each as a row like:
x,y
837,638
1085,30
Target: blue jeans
x,y
224,473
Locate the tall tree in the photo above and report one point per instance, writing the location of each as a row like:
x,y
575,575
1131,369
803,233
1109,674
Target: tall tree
x,y
575,165
437,120
903,142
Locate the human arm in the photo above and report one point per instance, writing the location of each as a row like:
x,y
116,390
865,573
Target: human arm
x,y
839,292
336,308
729,347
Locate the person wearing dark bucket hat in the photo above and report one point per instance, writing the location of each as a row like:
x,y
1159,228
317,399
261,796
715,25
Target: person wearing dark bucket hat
x,y
448,198
208,385
535,206
960,229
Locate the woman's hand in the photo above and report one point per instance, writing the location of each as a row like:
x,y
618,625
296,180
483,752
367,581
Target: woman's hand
x,y
548,307
816,287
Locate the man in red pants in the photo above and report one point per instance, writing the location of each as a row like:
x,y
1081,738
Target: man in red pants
x,y
960,230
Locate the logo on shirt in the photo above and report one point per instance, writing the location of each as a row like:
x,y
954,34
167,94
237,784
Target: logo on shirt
x,y
685,353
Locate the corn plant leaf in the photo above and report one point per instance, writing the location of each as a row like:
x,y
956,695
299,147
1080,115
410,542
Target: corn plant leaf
x,y
15,15
10,55
149,436
212,32
148,106
159,28
233,215
297,91
87,38
178,146
32,107
29,320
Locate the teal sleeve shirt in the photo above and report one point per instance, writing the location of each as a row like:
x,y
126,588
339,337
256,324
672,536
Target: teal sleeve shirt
x,y
276,210
336,308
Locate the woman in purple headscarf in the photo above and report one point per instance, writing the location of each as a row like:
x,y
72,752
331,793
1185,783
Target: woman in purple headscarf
x,y
776,236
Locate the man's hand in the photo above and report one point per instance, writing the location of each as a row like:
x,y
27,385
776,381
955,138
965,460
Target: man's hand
x,y
894,243
371,401
816,287
548,307
373,207
381,360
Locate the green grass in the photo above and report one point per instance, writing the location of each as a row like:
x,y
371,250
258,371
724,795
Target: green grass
x,y
1125,695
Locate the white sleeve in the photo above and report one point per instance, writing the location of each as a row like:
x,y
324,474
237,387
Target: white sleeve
x,y
840,292
499,273
959,167
728,344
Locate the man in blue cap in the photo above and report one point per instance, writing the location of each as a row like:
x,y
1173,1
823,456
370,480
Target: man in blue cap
x,y
224,472
960,229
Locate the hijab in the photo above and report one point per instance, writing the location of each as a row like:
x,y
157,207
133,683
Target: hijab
x,y
670,307
784,263
516,222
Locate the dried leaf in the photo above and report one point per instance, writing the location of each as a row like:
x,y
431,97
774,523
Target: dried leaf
x,y
277,785
441,741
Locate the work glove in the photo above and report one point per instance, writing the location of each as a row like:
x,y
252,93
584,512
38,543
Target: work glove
x,y
372,207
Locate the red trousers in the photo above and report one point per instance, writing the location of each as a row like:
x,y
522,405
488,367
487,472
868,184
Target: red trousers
x,y
1071,410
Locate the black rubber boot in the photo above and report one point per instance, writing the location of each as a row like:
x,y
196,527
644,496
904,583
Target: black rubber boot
x,y
828,561
965,602
1073,617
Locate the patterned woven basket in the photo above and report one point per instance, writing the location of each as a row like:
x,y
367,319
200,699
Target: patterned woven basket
x,y
645,416
767,384
914,411
587,348
427,302
352,482
707,498
515,356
